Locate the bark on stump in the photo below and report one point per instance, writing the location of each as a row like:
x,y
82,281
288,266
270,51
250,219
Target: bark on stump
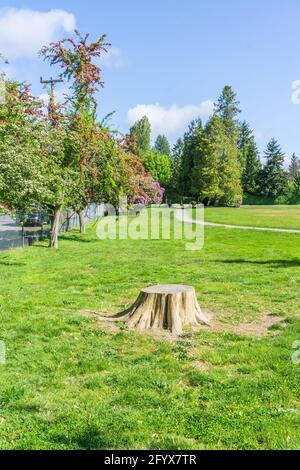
x,y
170,307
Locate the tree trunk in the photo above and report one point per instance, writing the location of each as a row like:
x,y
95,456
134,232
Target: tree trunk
x,y
170,307
67,222
55,220
82,228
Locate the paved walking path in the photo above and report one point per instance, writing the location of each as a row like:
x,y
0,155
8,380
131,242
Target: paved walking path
x,y
180,215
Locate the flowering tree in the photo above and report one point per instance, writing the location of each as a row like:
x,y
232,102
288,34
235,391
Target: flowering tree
x,y
86,141
19,165
66,158
140,186
104,170
75,56
33,168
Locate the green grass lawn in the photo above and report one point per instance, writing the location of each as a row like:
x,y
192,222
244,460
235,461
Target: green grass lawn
x,y
256,216
69,383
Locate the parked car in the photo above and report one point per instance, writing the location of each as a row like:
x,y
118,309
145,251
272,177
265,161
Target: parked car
x,y
33,218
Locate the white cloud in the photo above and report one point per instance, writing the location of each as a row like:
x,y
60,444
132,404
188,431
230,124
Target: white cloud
x,y
259,135
169,120
58,93
24,32
8,71
113,58
44,97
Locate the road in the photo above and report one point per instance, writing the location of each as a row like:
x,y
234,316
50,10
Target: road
x,y
10,233
8,224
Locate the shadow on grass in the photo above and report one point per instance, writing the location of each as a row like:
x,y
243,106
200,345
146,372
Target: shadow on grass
x,y
90,438
77,238
5,261
280,263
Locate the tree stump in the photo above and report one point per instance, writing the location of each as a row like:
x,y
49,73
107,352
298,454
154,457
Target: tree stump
x,y
170,307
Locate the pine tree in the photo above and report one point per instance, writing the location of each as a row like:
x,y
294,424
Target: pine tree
x,y
227,108
177,152
216,175
230,175
140,132
190,140
162,145
273,178
176,161
294,168
252,168
244,139
208,151
296,187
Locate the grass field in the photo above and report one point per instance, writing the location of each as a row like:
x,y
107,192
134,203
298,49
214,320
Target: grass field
x,y
69,383
256,216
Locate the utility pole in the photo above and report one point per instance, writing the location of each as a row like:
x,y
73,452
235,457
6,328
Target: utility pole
x,y
52,84
51,115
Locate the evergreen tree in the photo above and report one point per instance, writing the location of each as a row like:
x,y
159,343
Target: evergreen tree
x,y
162,145
176,162
190,140
294,168
140,132
230,175
244,139
252,167
245,135
216,175
227,108
208,151
249,158
230,178
273,178
177,153
296,187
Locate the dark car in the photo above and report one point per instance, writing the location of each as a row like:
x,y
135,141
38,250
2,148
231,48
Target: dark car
x,y
33,218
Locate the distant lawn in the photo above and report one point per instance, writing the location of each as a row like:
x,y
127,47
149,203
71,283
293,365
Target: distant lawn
x,y
71,384
257,216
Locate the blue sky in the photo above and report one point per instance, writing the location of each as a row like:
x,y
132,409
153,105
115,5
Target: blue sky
x,y
170,59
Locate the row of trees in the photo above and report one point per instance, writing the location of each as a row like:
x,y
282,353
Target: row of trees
x,y
64,157
217,163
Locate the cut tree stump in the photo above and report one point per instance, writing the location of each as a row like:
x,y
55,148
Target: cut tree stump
x,y
170,307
